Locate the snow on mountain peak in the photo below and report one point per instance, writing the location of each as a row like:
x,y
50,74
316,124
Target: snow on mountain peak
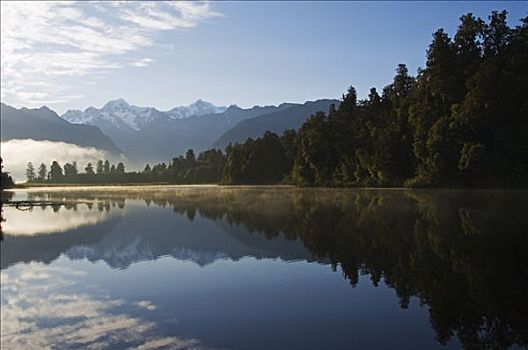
x,y
125,116
116,104
198,108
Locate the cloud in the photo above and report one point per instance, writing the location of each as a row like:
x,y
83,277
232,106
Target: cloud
x,y
17,153
46,43
40,311
144,62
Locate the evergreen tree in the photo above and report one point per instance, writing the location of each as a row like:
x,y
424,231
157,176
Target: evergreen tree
x,y
30,173
5,180
99,167
42,173
106,167
70,171
120,169
88,170
55,174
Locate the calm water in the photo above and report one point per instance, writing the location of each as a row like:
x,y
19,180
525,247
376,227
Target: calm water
x,y
265,268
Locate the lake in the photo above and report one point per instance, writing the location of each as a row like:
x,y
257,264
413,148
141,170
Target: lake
x,y
168,267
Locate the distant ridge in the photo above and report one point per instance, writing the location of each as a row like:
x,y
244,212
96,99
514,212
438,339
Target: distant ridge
x,y
129,117
291,117
44,124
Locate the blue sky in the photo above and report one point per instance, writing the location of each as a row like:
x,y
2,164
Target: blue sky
x,y
246,53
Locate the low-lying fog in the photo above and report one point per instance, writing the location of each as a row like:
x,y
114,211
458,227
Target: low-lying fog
x,y
17,153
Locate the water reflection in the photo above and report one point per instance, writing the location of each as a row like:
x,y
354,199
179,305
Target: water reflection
x,y
37,314
463,254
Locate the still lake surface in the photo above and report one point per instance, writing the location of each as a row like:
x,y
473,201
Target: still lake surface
x,y
173,267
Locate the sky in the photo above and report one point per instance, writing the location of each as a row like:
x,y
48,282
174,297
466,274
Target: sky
x,y
73,55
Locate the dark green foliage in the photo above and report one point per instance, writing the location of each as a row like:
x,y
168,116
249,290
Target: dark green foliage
x,y
208,168
30,172
106,167
42,173
89,169
461,122
70,171
5,180
260,161
100,167
55,174
473,163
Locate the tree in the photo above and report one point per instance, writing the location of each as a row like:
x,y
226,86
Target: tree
x,y
55,172
317,156
120,169
30,173
106,167
473,164
70,170
468,45
5,180
441,70
190,158
497,34
42,173
100,167
89,169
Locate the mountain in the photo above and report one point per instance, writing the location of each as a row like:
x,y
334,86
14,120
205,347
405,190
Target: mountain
x,y
291,117
45,124
148,135
128,117
198,108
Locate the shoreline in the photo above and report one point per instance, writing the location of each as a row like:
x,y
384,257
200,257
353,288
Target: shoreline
x,y
69,186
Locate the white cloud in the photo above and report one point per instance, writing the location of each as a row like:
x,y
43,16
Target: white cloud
x,y
48,42
144,62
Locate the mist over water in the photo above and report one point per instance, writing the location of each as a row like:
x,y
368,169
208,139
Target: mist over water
x,y
17,153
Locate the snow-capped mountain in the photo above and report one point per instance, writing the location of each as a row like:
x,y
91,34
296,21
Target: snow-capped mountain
x,y
128,117
197,108
147,135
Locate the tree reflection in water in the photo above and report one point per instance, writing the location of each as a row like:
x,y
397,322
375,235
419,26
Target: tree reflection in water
x,y
464,254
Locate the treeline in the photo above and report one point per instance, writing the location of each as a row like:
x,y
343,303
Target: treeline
x,y
207,168
103,172
462,121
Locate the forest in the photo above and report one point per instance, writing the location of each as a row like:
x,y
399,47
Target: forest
x,y
462,121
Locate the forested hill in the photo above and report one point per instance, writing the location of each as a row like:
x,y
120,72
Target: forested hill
x,y
462,121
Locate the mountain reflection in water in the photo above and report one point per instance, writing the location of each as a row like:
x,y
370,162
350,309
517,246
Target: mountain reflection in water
x,y
462,254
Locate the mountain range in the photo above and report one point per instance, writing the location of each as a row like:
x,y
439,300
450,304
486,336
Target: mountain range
x,y
148,135
45,124
124,116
